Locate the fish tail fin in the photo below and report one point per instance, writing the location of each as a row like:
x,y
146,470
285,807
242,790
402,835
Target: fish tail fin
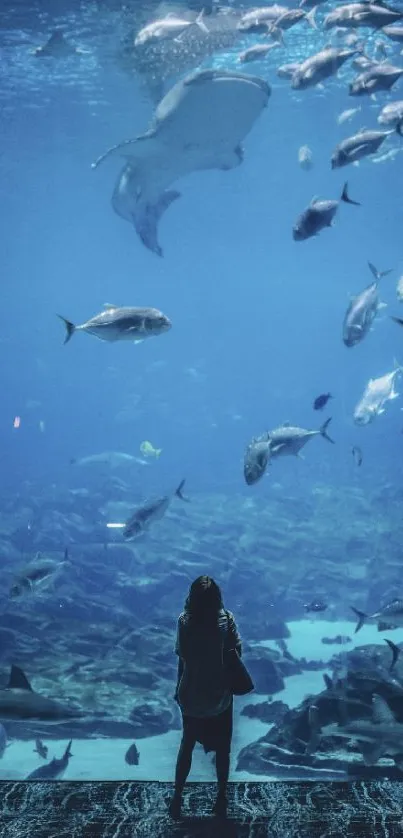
x,y
310,18
395,652
361,618
397,320
397,366
67,753
146,223
399,128
323,430
346,198
200,23
378,274
158,452
70,328
178,492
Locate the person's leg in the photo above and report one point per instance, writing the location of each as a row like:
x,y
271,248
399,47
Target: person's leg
x,y
222,761
183,766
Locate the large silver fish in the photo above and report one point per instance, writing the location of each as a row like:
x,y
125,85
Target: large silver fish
x,y
378,77
353,15
320,66
362,310
358,146
149,513
288,440
376,394
114,323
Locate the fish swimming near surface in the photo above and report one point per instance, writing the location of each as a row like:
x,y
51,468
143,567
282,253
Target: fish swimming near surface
x,y
359,146
132,756
379,77
149,513
376,394
353,15
321,401
387,618
256,459
114,323
318,215
54,769
199,125
168,27
288,440
41,749
362,310
357,454
19,703
37,575
321,66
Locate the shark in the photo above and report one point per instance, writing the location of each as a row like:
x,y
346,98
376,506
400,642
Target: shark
x,y
377,737
20,703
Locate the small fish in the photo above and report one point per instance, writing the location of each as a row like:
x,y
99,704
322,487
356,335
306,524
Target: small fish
x,y
305,158
321,401
391,114
3,740
318,215
41,749
397,320
54,769
316,606
399,289
133,324
148,450
57,47
132,756
255,52
377,392
357,454
346,115
152,511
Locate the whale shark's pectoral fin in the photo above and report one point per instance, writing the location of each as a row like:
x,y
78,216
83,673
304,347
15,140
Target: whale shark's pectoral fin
x,y
18,680
231,159
138,147
146,221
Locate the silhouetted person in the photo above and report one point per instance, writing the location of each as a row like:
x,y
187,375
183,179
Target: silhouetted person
x,y
205,632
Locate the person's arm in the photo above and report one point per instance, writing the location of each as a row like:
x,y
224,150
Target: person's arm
x,y
234,638
180,660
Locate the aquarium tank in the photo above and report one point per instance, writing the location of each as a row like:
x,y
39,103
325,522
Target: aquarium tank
x,y
202,349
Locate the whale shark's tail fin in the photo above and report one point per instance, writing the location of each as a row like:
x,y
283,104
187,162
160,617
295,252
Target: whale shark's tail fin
x,y
146,221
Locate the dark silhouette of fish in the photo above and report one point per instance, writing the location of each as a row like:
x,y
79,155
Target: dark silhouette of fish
x,y
321,401
54,769
41,749
132,755
19,702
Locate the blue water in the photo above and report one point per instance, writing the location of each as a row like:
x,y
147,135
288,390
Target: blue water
x,y
257,318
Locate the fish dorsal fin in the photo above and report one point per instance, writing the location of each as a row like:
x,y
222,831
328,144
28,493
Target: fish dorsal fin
x,y
18,680
286,424
109,306
382,713
314,200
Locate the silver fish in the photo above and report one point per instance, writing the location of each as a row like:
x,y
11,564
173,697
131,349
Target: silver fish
x,y
54,769
388,617
37,575
167,28
378,77
353,15
395,33
358,146
377,392
257,456
288,440
362,310
391,114
320,66
152,511
19,702
318,215
114,323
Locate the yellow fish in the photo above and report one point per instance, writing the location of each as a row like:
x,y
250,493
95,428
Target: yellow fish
x,y
148,450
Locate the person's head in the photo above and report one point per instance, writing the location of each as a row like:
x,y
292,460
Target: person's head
x,y
204,599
